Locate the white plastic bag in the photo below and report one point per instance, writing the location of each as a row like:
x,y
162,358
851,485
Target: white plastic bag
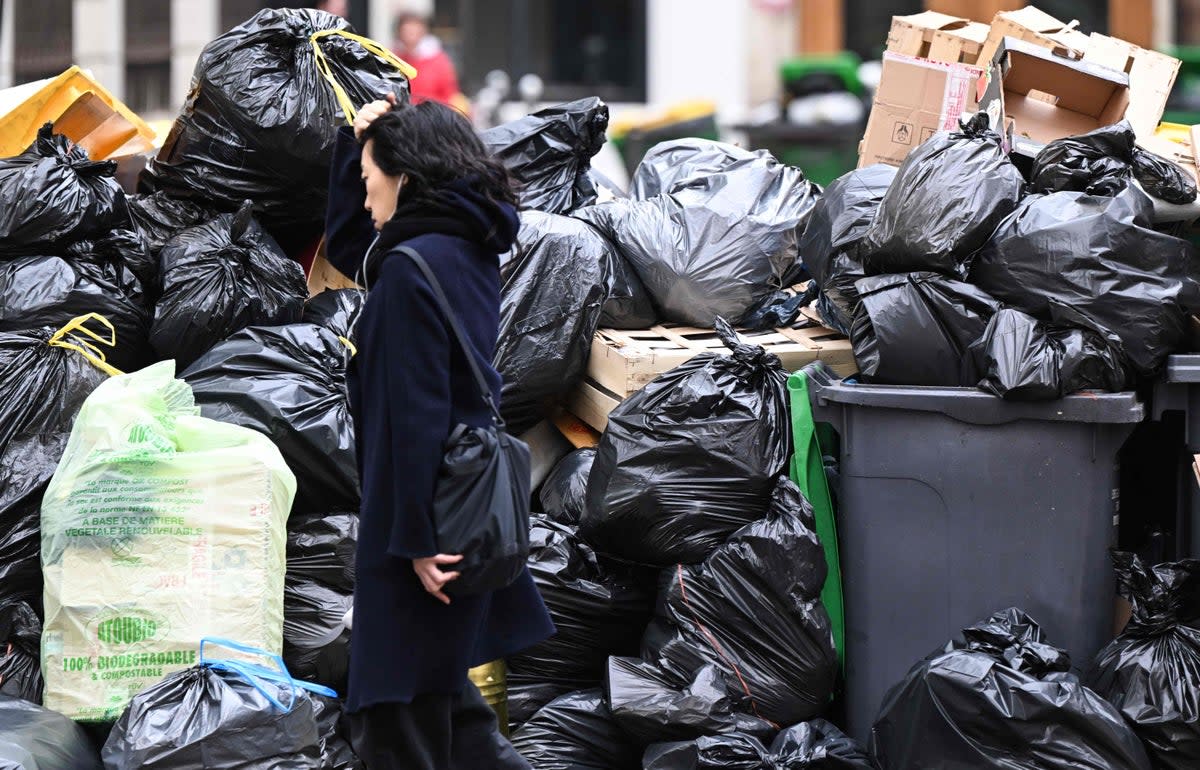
x,y
159,528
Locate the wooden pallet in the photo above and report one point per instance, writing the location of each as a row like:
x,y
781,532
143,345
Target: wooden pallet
x,y
624,362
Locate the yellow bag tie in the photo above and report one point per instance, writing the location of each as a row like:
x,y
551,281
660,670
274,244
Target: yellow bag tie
x,y
371,46
86,349
349,346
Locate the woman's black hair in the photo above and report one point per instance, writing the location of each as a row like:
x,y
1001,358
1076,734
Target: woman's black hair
x,y
434,145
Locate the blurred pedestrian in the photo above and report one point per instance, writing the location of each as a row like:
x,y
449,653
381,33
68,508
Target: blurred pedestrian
x,y
336,7
436,78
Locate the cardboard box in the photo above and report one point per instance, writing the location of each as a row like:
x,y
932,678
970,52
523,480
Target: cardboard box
x,y
938,37
1033,26
1047,95
916,99
1151,78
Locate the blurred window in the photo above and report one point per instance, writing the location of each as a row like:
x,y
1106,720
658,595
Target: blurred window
x,y
42,43
578,47
148,55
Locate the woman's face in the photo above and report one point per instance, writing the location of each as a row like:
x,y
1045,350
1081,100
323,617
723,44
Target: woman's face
x,y
382,190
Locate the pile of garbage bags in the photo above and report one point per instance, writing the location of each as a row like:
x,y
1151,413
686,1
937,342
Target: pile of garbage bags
x,y
289,382
230,714
599,609
1001,698
959,271
548,154
691,458
711,230
1151,671
260,119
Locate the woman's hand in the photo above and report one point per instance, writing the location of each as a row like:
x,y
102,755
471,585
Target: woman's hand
x,y
369,112
432,577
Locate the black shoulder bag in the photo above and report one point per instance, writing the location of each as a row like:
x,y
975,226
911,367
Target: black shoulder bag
x,y
481,501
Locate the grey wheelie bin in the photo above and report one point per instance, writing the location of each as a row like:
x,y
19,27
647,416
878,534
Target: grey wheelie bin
x,y
955,504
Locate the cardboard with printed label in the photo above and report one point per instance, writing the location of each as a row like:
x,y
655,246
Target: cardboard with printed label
x,y
1048,96
937,37
916,99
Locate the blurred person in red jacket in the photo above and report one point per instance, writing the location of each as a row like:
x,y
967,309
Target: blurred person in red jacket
x,y
436,79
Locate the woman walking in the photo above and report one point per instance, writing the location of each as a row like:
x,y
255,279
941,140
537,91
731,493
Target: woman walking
x,y
418,176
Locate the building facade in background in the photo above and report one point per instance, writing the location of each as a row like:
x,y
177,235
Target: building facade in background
x,y
629,52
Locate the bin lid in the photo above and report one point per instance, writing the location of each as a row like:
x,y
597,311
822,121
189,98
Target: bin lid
x,y
1184,368
974,406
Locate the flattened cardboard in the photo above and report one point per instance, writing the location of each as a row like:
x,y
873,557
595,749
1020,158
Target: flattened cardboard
x,y
938,37
1034,26
1151,78
916,99
1049,96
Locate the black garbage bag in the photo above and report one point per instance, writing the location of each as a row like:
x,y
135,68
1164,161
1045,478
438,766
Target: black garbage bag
x,y
159,217
336,751
835,229
125,247
34,738
42,387
261,117
321,547
549,154
1151,671
753,609
629,305
947,199
218,718
38,292
1098,257
316,642
671,163
564,492
335,309
20,651
918,329
550,309
288,382
598,611
52,195
219,278
1098,162
1002,699
690,458
652,708
815,745
1104,162
576,732
525,700
1022,360
713,245
1162,178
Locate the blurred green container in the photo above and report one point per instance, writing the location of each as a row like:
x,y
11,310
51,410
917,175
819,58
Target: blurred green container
x,y
823,153
804,75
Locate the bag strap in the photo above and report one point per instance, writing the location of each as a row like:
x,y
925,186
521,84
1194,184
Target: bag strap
x,y
451,317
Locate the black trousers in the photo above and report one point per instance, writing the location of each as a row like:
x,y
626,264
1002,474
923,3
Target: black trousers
x,y
434,732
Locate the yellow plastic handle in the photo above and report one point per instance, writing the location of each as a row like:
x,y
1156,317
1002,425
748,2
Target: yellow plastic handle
x,y
367,43
349,346
86,349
